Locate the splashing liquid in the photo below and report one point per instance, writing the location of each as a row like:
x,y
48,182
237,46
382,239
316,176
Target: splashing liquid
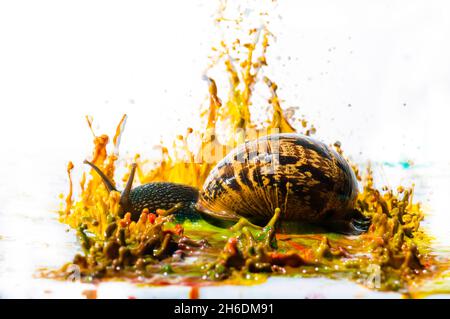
x,y
393,255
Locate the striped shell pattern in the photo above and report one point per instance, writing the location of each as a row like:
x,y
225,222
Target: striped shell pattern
x,y
306,179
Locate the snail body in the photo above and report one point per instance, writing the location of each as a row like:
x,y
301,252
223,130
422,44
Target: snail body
x,y
308,181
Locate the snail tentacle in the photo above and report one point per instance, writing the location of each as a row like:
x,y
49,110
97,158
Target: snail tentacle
x,y
108,183
125,197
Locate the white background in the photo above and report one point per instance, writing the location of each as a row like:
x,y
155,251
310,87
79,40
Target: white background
x,y
373,74
60,60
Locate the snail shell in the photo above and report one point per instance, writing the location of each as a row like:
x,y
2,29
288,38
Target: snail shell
x,y
303,177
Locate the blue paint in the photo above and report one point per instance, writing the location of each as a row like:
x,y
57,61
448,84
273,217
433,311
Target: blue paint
x,y
388,164
403,164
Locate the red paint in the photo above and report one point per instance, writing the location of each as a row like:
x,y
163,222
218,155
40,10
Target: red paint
x,y
231,246
306,253
298,246
151,218
90,294
179,230
194,293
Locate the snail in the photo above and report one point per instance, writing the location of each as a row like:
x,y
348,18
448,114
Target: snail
x,y
307,180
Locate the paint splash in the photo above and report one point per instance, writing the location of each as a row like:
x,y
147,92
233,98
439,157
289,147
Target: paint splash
x,y
157,249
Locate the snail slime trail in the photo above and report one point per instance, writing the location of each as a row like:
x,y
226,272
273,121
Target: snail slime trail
x,y
147,233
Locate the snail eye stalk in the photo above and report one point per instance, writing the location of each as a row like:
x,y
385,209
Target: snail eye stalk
x,y
125,197
109,185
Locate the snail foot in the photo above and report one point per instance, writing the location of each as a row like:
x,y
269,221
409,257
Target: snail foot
x,y
359,227
354,226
